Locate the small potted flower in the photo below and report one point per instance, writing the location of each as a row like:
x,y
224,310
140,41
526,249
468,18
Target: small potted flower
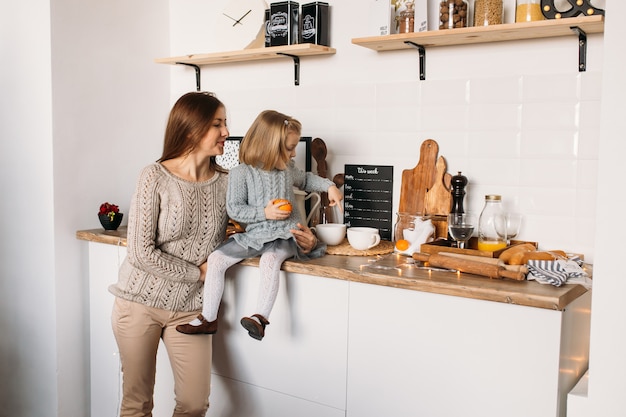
x,y
110,216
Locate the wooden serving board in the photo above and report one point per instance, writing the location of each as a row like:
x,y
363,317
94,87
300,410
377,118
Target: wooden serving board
x,y
425,189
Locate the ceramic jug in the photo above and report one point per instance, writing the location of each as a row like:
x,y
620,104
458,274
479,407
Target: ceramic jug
x,y
301,197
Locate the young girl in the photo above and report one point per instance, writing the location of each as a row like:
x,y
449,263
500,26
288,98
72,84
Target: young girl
x,y
267,172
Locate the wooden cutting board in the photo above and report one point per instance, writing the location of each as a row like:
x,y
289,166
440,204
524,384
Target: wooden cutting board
x,y
428,177
438,198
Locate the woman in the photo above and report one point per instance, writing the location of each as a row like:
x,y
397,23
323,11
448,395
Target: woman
x,y
177,217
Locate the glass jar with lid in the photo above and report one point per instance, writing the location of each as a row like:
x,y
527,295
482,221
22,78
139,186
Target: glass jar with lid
x,y
453,14
406,17
488,238
488,12
528,11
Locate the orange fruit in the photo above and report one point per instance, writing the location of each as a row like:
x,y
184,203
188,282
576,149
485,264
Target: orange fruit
x,y
286,205
402,244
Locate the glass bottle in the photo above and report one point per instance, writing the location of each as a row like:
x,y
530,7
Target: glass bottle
x,y
406,18
488,238
528,11
453,14
488,12
415,229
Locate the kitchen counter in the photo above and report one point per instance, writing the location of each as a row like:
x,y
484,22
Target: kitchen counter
x,y
389,272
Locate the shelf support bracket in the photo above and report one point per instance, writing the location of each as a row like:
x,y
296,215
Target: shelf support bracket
x,y
582,48
197,68
296,67
422,58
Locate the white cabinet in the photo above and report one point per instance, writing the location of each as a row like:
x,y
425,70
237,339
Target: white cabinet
x,y
298,369
337,348
104,261
419,354
106,372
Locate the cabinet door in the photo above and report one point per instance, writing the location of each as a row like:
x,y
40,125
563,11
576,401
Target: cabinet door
x,y
104,262
299,368
419,354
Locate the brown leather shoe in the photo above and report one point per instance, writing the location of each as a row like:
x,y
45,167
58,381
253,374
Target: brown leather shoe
x,y
255,330
205,328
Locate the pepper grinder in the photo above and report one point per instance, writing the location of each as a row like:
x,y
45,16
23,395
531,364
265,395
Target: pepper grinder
x,y
457,186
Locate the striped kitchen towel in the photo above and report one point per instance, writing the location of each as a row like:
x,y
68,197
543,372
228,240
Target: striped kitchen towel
x,y
555,272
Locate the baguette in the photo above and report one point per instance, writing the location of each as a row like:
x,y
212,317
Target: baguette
x,y
551,255
515,254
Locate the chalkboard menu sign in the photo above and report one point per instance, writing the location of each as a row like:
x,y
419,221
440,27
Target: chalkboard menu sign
x,y
368,197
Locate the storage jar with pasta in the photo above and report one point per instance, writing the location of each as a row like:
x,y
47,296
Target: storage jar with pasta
x,y
488,12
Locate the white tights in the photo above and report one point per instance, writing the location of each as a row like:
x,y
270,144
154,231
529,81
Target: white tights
x,y
269,267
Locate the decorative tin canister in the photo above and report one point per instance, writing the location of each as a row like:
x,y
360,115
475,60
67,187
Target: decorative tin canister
x,y
315,23
284,22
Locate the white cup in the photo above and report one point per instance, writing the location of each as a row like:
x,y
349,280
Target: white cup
x,y
330,233
363,238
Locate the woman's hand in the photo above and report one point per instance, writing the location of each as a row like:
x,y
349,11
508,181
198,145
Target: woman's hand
x,y
305,238
202,272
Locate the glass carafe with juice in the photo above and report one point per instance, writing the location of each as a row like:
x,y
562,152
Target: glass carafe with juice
x,y
488,238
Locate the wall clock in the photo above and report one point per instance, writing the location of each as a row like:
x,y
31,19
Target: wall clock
x,y
583,7
241,25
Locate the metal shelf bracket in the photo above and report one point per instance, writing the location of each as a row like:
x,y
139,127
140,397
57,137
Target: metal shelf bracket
x,y
197,68
422,58
582,48
296,67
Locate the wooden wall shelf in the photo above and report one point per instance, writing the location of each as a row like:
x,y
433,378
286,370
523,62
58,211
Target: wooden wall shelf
x,y
484,34
580,26
257,54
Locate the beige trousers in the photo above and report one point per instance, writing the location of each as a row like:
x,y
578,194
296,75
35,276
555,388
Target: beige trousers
x,y
138,329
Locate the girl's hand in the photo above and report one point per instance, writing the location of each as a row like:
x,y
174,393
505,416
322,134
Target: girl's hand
x,y
335,196
276,211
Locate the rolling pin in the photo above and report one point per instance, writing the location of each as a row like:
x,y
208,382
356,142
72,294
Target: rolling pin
x,y
484,259
469,266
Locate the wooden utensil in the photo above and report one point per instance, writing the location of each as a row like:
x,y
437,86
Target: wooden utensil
x,y
438,199
471,267
416,181
319,153
339,180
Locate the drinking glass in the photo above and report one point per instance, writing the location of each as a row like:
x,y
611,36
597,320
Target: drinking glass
x,y
508,226
461,226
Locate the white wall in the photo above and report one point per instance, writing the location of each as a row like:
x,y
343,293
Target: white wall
x,y
608,340
83,109
27,289
516,118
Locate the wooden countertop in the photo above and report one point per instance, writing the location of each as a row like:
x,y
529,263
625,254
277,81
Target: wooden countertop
x,y
391,271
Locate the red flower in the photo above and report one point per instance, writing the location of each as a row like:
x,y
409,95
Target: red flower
x,y
109,209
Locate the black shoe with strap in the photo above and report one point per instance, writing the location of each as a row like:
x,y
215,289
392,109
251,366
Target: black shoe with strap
x,y
255,330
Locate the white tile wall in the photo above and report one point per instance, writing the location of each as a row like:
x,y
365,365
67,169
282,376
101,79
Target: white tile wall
x,y
516,118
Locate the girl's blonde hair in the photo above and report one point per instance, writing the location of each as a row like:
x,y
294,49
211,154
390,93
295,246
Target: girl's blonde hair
x,y
263,146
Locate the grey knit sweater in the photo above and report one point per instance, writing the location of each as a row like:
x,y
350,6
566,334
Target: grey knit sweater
x,y
173,226
249,191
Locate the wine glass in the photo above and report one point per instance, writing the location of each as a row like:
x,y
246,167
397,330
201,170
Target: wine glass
x,y
508,226
461,226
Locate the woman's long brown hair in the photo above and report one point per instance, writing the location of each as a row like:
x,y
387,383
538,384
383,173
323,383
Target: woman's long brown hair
x,y
189,121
